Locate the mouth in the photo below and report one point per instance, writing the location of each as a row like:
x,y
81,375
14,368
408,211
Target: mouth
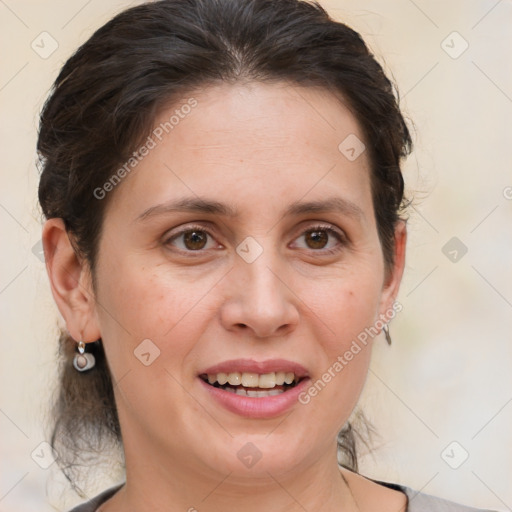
x,y
251,384
255,389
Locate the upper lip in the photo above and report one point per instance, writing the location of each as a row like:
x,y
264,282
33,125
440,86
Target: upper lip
x,y
260,367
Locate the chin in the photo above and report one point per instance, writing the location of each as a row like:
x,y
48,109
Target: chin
x,y
258,455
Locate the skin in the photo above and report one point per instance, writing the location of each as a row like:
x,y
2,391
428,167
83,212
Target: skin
x,y
258,147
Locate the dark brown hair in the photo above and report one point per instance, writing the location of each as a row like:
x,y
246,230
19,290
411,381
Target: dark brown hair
x,y
104,102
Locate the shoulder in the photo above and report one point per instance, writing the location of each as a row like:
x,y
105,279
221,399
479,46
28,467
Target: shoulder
x,y
421,502
94,503
416,501
378,495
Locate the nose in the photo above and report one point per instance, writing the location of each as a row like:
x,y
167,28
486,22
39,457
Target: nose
x,y
260,304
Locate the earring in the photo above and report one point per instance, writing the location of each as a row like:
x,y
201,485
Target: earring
x,y
386,334
83,361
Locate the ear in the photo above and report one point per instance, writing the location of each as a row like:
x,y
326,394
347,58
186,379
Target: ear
x,y
394,276
70,281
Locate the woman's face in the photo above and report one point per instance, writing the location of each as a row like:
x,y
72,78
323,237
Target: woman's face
x,y
244,242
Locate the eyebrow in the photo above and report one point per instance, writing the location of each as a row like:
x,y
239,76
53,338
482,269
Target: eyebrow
x,y
209,206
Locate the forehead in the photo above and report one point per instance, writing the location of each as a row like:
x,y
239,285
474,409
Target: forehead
x,y
272,115
238,141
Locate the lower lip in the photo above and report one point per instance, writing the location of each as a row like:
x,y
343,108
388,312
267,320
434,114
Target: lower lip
x,y
257,407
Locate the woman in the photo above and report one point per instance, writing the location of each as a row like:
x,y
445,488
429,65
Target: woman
x,y
222,185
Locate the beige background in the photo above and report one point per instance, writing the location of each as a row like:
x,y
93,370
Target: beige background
x,y
447,376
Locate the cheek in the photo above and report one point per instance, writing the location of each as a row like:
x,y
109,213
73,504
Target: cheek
x,y
348,351
138,304
149,324
347,307
148,300
345,357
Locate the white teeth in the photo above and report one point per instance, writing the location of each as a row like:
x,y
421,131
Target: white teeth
x,y
267,380
222,378
253,380
250,380
252,392
280,378
235,379
261,394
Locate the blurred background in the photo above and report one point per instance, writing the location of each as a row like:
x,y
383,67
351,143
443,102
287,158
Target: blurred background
x,y
440,398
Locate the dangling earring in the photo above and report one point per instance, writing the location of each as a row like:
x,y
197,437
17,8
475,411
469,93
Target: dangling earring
x,y
83,361
386,334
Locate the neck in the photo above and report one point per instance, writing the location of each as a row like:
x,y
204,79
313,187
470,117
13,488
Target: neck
x,y
159,483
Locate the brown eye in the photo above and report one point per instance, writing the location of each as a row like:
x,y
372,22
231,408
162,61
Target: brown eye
x,y
322,239
191,240
195,240
317,239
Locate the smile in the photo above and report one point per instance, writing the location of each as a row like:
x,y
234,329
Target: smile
x,y
253,385
255,389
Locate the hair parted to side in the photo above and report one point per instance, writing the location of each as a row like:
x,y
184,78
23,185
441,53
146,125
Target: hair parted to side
x,y
107,95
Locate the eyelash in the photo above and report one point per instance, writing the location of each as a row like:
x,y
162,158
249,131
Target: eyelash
x,y
319,227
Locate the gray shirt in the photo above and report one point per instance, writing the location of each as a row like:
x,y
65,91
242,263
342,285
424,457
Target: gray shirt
x,y
416,501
